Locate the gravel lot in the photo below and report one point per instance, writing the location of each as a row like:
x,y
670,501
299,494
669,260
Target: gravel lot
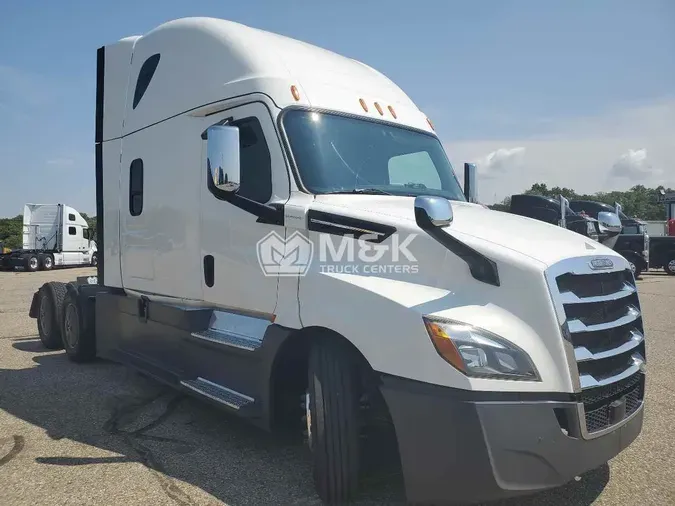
x,y
100,434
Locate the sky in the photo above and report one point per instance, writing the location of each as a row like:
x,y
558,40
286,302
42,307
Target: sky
x,y
567,92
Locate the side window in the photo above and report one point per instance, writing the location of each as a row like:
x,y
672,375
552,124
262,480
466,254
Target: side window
x,y
144,77
72,231
136,187
255,160
414,168
71,217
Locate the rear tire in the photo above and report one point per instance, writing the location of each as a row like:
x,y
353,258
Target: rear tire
x,y
47,262
31,263
79,337
94,260
333,424
48,320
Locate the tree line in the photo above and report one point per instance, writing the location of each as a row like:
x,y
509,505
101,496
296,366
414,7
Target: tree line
x,y
11,230
638,202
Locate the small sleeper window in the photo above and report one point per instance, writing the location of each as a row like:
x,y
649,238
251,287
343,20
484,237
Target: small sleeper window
x,y
71,217
136,187
72,231
144,77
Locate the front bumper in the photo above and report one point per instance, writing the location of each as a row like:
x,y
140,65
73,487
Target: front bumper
x,y
457,449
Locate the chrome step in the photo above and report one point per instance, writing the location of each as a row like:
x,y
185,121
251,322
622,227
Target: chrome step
x,y
218,393
228,339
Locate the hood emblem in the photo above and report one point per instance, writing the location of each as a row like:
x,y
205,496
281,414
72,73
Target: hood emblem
x,y
601,263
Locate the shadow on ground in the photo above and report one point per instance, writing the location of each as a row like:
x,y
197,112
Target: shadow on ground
x,y
110,407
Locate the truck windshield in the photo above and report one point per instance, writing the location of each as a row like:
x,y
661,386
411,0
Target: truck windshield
x,y
340,154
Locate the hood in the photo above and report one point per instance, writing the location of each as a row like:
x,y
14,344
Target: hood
x,y
538,240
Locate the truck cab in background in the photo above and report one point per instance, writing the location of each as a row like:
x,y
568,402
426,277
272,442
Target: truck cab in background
x,y
604,228
324,270
54,235
658,251
633,243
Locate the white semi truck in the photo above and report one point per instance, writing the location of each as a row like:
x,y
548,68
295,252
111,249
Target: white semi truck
x,y
54,235
278,222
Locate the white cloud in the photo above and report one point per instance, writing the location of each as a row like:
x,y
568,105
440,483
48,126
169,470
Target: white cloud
x,y
582,154
502,160
634,166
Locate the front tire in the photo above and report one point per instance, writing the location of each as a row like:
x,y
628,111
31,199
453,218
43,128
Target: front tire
x,y
670,266
79,338
48,323
94,259
333,422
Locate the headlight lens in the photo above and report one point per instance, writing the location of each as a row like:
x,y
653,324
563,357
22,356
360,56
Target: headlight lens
x,y
479,353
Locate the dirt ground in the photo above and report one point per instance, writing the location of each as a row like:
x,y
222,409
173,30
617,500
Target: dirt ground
x,y
100,434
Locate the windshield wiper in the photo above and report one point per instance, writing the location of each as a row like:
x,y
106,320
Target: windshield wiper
x,y
364,191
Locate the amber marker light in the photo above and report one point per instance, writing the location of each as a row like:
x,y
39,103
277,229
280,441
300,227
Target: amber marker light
x,y
363,104
295,93
444,345
431,124
379,109
392,111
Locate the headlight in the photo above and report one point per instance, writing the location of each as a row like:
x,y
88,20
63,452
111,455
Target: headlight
x,y
479,353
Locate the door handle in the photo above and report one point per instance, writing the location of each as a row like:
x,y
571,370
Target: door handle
x,y
209,270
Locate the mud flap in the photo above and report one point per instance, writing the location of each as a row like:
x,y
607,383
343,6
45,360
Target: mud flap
x,y
35,305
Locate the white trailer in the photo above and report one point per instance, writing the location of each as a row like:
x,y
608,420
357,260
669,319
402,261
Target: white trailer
x,y
54,235
278,222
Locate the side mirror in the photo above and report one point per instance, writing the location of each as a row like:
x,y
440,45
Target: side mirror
x,y
470,188
432,212
222,157
609,223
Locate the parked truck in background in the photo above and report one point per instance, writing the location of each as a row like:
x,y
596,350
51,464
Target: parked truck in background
x,y
659,250
604,228
509,360
54,235
634,241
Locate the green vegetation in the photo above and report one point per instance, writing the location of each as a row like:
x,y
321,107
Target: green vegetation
x,y
638,202
11,235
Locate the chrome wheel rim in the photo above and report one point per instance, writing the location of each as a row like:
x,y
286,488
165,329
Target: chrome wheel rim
x,y
632,267
33,263
671,265
71,326
308,419
48,262
45,316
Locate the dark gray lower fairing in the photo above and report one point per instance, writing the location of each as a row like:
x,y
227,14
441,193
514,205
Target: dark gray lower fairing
x,y
468,447
158,339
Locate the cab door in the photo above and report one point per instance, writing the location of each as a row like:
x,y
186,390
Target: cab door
x,y
232,277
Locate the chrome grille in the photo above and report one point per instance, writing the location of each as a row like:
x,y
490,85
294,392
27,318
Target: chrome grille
x,y
601,322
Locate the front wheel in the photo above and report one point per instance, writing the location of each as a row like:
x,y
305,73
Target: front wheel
x,y
670,266
94,260
332,421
